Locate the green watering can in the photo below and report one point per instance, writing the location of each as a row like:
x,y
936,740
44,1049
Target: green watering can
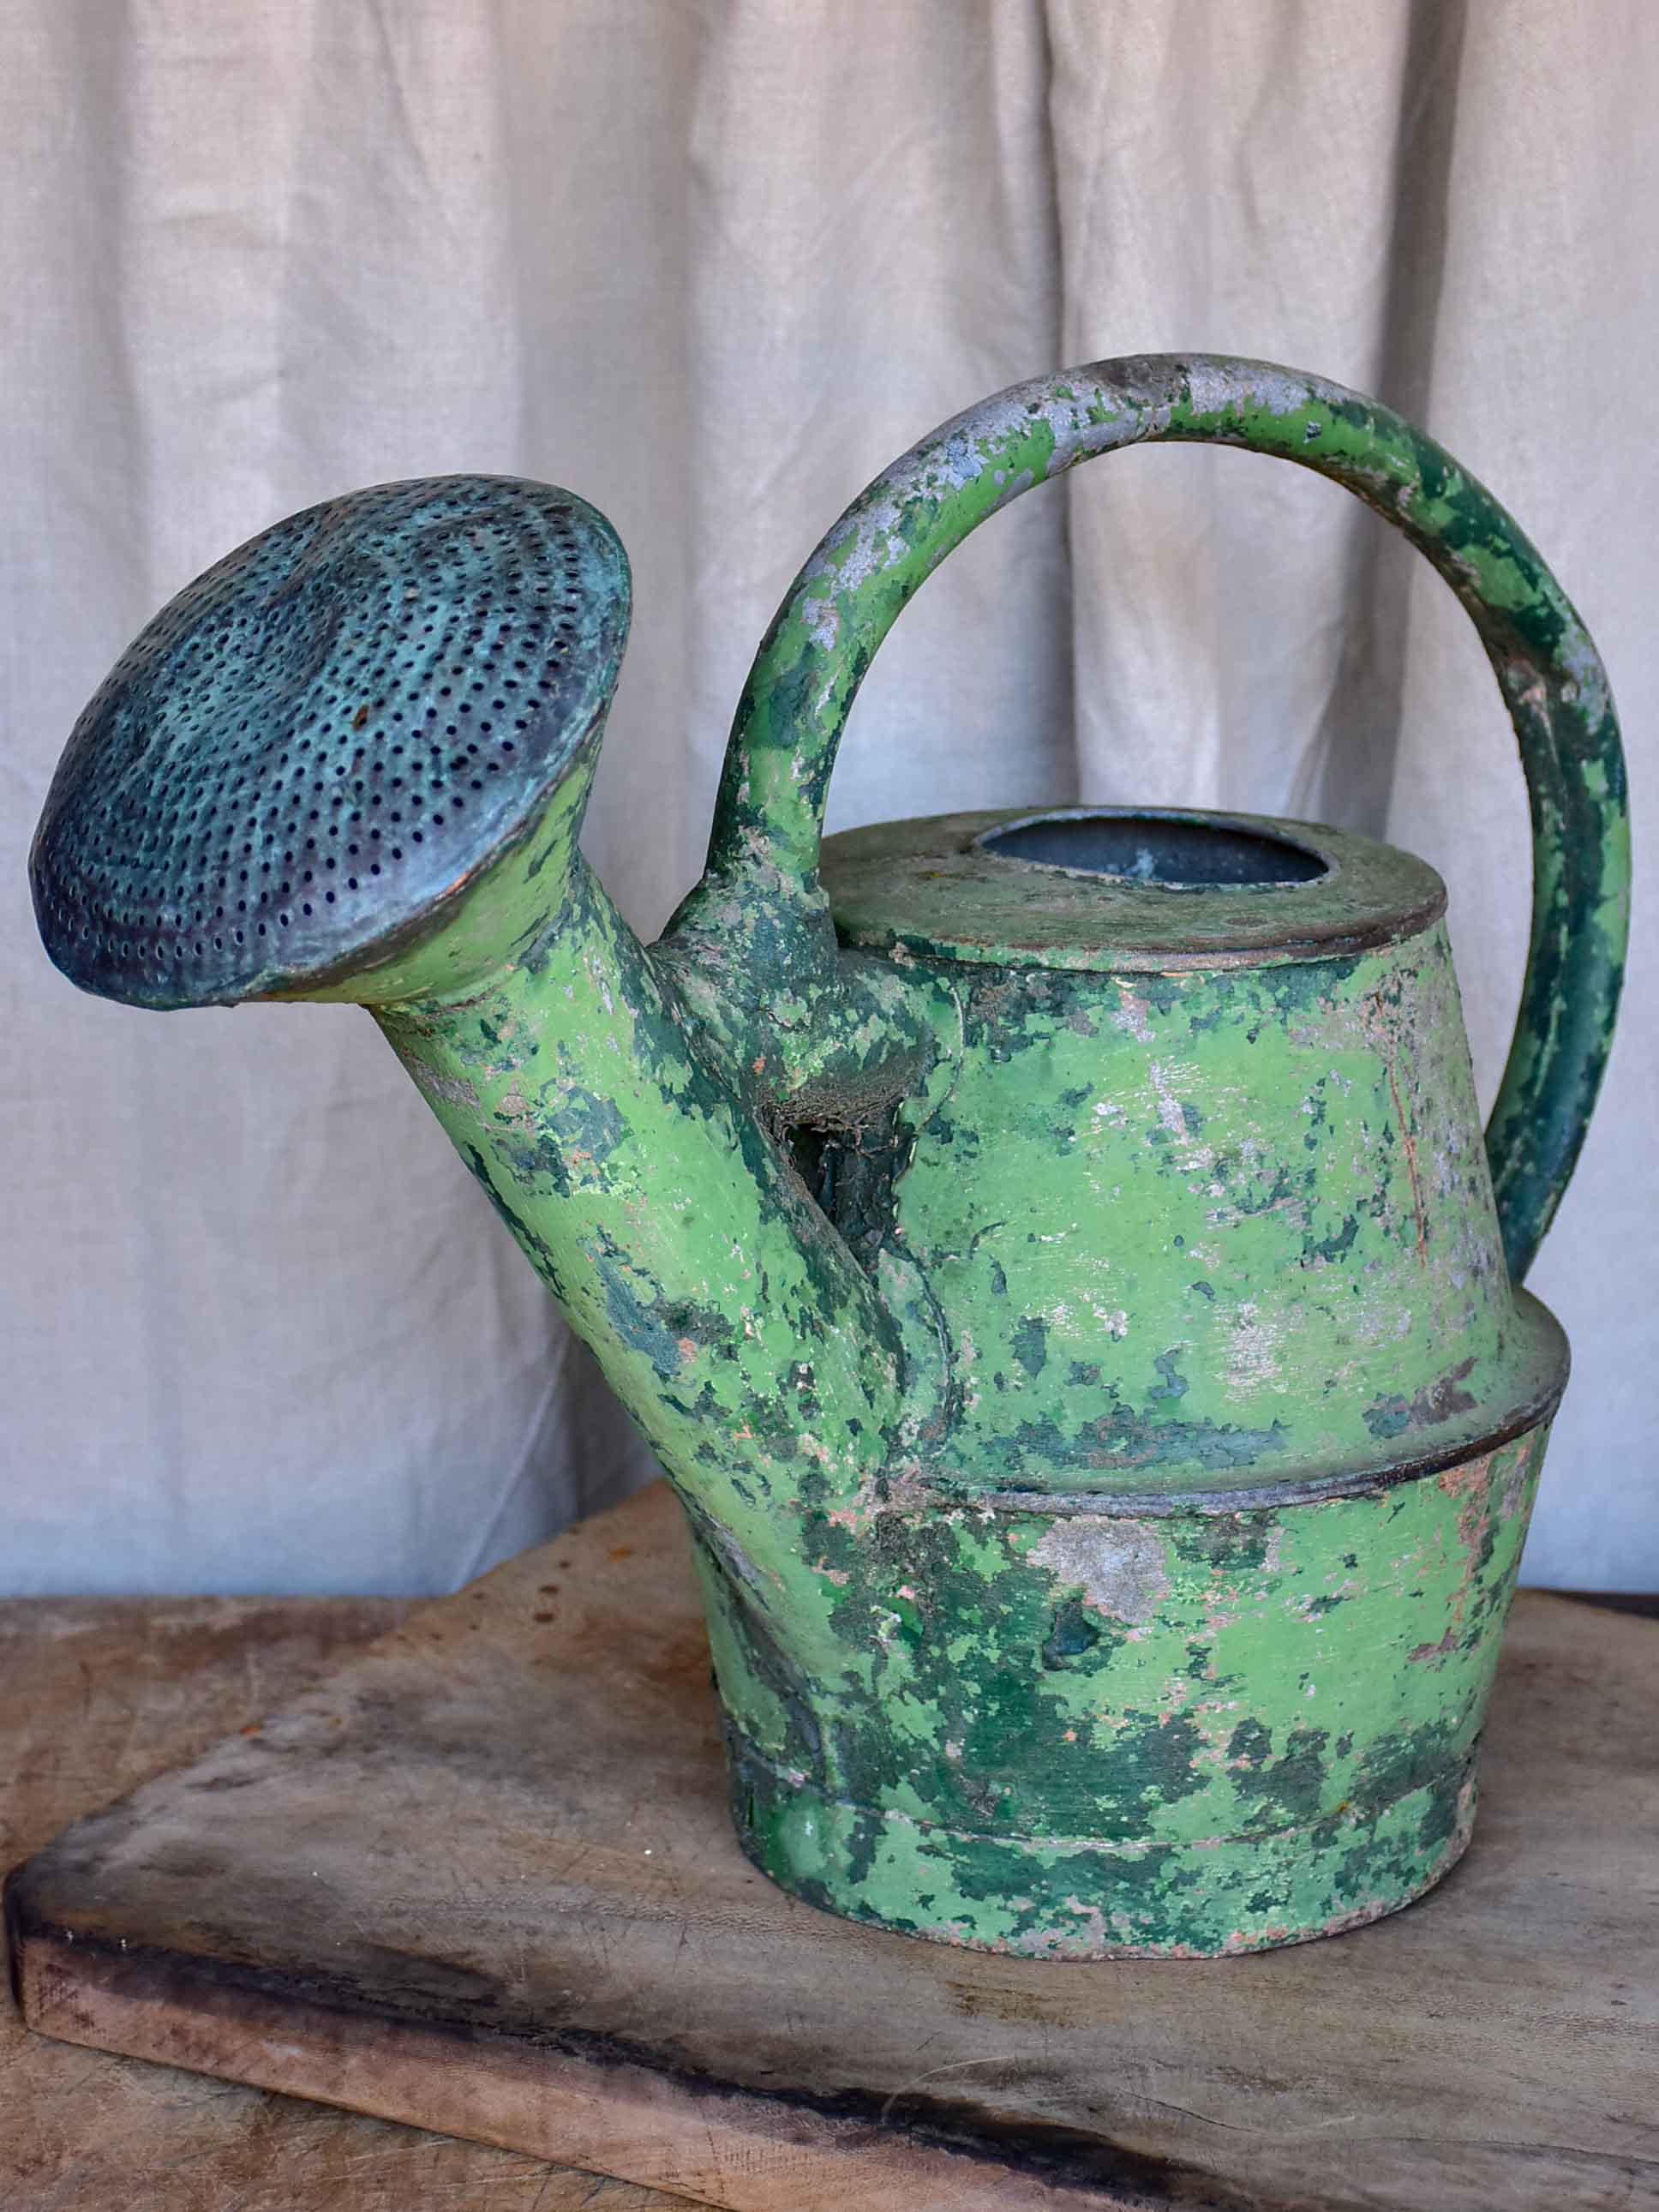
x,y
1052,1253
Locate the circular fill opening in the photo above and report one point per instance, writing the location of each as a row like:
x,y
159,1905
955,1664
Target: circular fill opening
x,y
1172,850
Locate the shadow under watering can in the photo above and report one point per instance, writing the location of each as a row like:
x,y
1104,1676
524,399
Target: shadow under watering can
x,y
1053,1254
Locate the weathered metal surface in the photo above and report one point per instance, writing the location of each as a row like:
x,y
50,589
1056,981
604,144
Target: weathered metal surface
x,y
1074,1309
1205,1230
1092,1734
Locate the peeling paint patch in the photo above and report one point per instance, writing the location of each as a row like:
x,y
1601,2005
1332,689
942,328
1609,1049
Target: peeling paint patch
x,y
1120,1566
439,1085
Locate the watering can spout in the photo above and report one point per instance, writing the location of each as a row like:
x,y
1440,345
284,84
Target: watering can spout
x,y
351,763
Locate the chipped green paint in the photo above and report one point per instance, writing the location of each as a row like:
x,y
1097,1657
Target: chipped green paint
x,y
1054,1256
1075,1733
1247,1206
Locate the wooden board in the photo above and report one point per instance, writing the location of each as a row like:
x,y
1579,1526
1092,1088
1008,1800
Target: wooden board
x,y
100,1695
482,1878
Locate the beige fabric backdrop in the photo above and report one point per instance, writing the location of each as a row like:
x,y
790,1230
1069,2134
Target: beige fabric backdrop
x,y
713,266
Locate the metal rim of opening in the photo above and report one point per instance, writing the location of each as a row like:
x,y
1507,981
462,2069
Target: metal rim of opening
x,y
939,887
1177,850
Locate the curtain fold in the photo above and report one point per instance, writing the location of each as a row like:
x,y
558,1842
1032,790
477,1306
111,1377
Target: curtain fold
x,y
713,263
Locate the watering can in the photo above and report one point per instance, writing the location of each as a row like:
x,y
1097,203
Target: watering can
x,y
1052,1253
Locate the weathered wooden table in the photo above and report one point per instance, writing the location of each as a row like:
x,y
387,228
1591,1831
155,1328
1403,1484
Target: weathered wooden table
x,y
96,1696
481,1875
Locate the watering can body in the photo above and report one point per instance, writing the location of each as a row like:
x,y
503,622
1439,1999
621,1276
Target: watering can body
x,y
1054,1255
1182,1642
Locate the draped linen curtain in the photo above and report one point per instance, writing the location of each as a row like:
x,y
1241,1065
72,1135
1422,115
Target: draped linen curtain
x,y
713,266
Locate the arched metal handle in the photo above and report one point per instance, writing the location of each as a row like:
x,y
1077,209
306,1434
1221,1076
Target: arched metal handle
x,y
762,861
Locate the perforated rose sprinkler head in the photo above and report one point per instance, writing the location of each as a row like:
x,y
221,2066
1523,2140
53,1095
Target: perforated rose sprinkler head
x,y
1052,1253
334,746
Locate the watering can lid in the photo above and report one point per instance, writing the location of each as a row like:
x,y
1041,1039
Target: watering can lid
x,y
326,737
1125,890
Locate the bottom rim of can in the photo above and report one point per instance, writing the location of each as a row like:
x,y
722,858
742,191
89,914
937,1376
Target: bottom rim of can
x,y
1072,1898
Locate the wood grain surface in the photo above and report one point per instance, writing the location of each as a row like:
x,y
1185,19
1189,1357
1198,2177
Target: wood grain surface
x,y
99,1696
482,1878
